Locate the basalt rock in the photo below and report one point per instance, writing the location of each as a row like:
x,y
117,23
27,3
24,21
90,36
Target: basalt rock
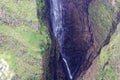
x,y
83,38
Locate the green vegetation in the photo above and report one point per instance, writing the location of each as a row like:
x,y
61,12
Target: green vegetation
x,y
107,74
40,9
102,18
117,5
110,54
23,9
22,46
103,14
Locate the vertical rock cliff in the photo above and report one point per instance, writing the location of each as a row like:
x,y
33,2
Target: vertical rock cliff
x,y
78,31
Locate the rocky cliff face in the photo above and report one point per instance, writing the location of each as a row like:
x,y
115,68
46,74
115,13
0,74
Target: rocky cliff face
x,y
88,25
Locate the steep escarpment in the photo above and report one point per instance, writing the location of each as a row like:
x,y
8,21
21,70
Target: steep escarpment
x,y
87,26
78,36
108,63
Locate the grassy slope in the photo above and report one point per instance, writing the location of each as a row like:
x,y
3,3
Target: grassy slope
x,y
22,46
104,13
110,53
102,18
23,9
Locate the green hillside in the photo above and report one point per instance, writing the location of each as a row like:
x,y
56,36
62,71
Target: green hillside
x,y
109,59
22,40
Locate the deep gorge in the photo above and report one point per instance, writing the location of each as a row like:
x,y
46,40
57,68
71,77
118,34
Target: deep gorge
x,y
74,37
60,40
73,42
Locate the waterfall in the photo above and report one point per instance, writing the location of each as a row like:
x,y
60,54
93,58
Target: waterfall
x,y
58,30
70,75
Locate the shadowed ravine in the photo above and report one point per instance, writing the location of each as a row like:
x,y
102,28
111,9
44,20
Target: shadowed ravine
x,y
58,30
74,42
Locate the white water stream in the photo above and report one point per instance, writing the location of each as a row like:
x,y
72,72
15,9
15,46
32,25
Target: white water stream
x,y
56,18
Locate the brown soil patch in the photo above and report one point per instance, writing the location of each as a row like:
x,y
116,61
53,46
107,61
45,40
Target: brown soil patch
x,y
91,73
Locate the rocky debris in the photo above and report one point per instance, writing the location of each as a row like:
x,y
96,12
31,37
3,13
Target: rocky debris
x,y
5,73
13,21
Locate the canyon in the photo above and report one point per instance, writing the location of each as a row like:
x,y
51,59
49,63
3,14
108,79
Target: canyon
x,y
60,39
78,34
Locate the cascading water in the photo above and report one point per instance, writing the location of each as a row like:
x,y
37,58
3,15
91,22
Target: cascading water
x,y
58,30
72,25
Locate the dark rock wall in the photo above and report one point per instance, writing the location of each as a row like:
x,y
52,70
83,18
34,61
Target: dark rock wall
x,y
78,34
81,45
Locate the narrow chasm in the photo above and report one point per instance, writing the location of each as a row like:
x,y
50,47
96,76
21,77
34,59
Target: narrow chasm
x,y
70,25
74,44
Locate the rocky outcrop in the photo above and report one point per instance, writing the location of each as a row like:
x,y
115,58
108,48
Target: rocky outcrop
x,y
5,70
83,38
